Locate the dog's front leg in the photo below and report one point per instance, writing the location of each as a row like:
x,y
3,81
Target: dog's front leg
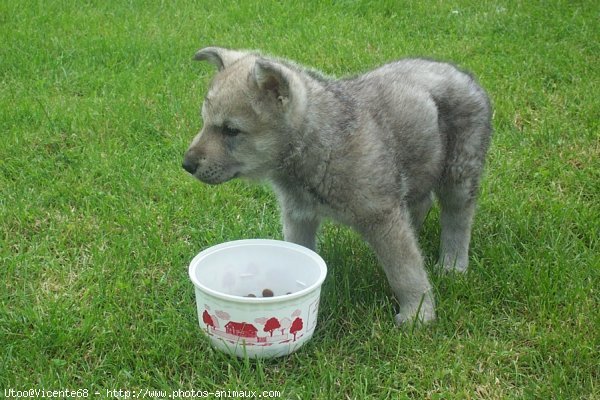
x,y
300,229
394,242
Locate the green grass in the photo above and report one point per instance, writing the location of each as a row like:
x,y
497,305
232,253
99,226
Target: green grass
x,y
99,100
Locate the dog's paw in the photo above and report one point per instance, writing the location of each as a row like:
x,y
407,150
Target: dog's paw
x,y
453,264
423,314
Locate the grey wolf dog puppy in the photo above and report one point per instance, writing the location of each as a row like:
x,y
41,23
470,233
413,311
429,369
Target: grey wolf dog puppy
x,y
367,151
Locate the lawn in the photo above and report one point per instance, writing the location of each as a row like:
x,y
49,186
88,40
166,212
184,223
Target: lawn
x,y
98,222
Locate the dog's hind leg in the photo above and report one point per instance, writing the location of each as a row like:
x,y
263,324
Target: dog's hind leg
x,y
457,194
458,208
392,238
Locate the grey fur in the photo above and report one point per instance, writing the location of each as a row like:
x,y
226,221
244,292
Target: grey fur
x,y
367,151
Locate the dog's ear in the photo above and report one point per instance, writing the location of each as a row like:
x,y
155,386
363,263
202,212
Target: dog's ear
x,y
219,57
273,80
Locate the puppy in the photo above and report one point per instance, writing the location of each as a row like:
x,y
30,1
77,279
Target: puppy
x,y
368,151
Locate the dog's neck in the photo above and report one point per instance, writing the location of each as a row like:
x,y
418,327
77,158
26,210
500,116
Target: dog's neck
x,y
313,146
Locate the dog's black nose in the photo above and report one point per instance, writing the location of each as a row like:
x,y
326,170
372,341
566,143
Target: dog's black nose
x,y
189,165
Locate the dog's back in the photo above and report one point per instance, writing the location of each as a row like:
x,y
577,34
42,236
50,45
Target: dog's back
x,y
427,113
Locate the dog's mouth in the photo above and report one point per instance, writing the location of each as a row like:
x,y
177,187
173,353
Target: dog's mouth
x,y
217,181
211,172
215,175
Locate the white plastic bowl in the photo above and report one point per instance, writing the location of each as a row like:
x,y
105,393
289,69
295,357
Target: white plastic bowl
x,y
257,327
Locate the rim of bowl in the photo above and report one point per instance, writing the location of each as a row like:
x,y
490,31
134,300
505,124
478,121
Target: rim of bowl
x,y
260,242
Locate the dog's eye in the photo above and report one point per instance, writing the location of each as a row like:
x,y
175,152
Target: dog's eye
x,y
231,131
